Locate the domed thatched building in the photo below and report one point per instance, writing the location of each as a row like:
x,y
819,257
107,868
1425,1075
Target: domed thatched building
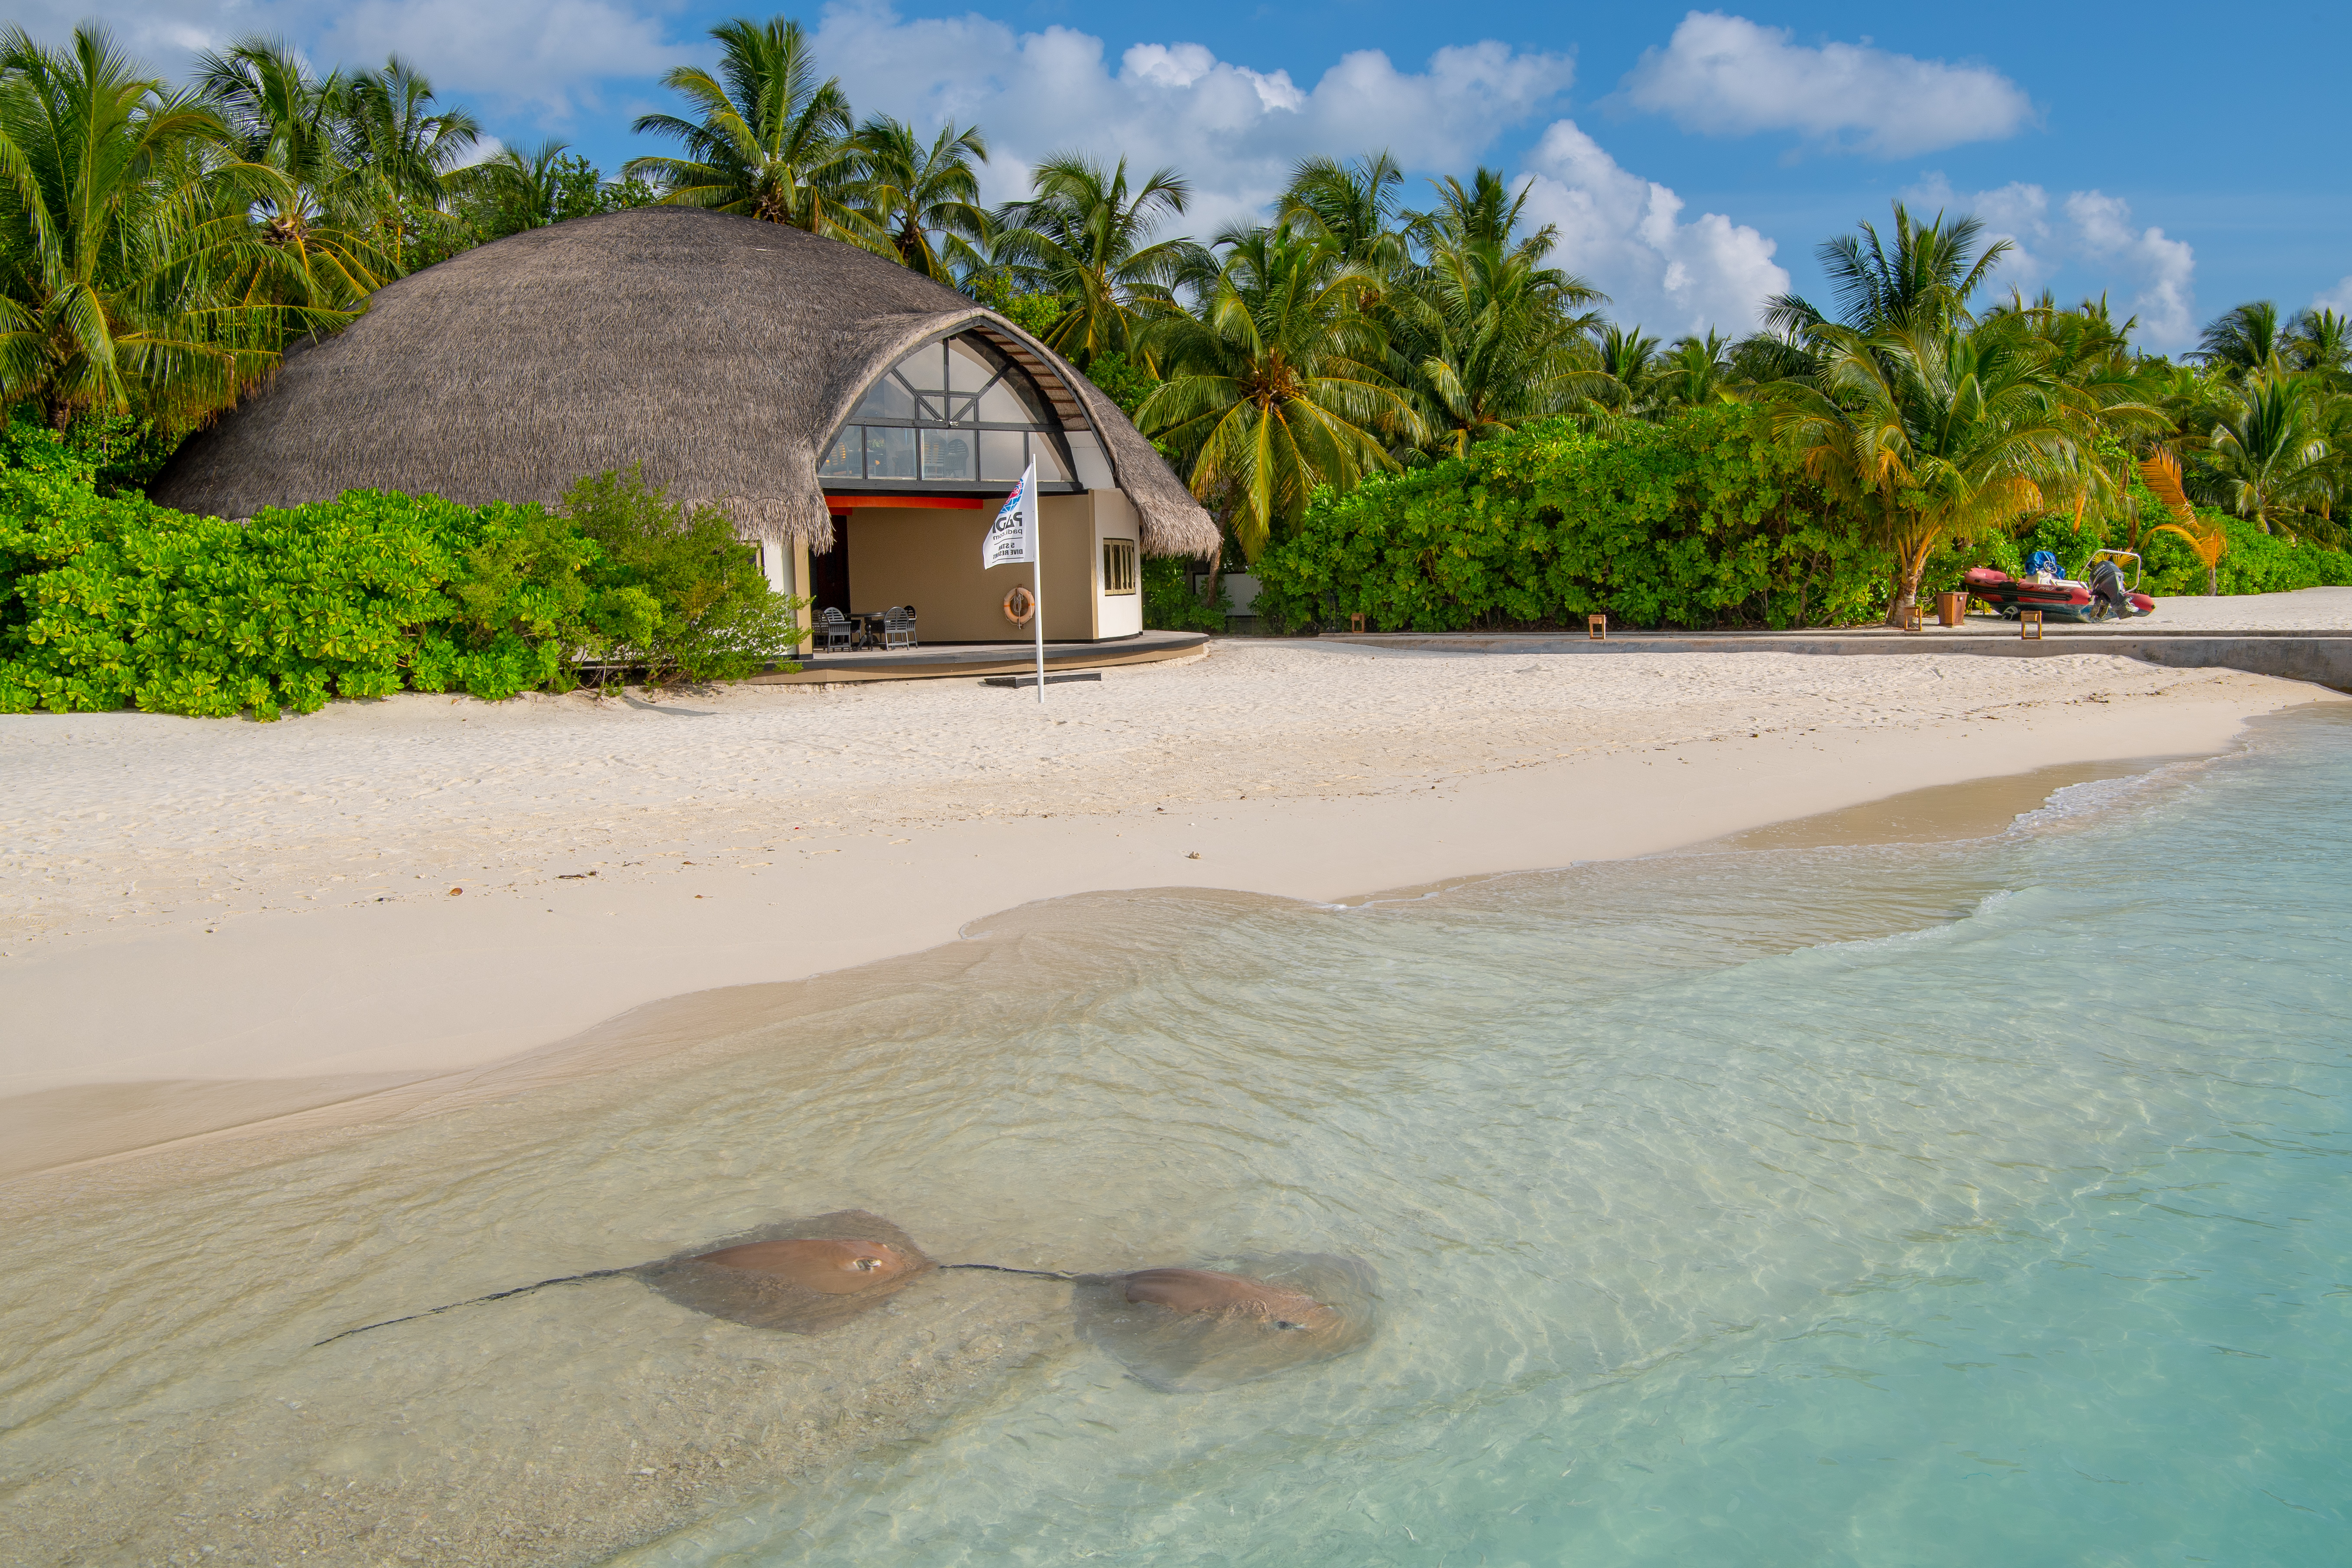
x,y
859,422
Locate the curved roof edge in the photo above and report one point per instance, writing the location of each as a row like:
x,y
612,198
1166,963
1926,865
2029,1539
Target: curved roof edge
x,y
656,335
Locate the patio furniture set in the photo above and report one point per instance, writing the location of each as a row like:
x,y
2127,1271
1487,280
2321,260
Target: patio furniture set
x,y
893,627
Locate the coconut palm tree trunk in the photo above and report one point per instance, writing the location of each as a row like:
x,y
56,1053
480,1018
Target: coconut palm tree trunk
x,y
1912,543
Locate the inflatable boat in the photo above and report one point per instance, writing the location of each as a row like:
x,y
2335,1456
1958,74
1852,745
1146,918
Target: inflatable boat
x,y
2100,594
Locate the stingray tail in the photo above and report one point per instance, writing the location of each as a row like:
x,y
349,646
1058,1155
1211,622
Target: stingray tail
x,y
493,1296
1037,1273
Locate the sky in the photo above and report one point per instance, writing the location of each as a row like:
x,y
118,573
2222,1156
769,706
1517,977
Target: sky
x,y
1692,159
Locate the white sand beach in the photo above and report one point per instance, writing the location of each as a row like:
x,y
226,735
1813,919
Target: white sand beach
x,y
207,922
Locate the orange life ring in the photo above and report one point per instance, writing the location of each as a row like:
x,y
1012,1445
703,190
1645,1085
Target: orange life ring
x,y
1020,605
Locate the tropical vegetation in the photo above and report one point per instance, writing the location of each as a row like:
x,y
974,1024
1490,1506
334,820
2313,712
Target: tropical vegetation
x,y
1358,372
112,601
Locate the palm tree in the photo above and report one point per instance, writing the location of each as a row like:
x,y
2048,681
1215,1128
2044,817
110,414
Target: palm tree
x,y
2321,344
2243,340
1697,373
2160,471
518,190
123,223
926,199
1489,338
399,152
1926,276
1274,389
281,117
1631,376
2269,452
1351,205
1082,234
1484,210
773,142
1936,428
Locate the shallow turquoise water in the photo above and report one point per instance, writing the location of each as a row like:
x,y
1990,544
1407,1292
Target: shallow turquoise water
x,y
1982,1202
1953,1204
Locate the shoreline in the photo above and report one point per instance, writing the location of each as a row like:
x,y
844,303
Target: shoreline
x,y
1063,1088
130,1041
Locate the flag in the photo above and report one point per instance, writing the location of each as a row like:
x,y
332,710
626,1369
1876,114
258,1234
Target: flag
x,y
1013,537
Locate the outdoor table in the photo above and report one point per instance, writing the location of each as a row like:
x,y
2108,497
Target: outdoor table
x,y
866,625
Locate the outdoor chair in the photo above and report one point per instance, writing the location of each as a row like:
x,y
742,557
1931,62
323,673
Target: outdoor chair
x,y
898,626
835,627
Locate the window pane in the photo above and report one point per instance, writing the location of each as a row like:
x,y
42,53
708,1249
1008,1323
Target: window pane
x,y
1118,566
886,399
1049,462
947,455
999,405
889,452
846,458
926,368
968,371
1002,455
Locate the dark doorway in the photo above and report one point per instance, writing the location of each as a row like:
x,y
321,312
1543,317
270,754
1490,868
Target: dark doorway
x,y
829,573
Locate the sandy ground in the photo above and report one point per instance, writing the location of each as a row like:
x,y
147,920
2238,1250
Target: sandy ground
x,y
347,901
2304,610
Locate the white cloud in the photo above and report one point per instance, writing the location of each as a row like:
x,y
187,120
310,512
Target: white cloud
x,y
1727,76
2164,269
2338,299
548,54
1232,131
2091,240
1625,234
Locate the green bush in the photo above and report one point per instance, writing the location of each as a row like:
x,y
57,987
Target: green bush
x,y
1700,521
112,602
115,453
682,595
1169,604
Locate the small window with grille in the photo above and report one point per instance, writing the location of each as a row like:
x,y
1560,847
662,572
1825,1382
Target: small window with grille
x,y
1118,566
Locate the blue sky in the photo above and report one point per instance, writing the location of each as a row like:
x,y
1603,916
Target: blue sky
x,y
1693,159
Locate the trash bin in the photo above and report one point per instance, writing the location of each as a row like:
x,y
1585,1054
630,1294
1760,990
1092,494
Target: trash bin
x,y
1951,609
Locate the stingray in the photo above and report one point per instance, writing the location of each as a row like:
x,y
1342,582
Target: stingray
x,y
801,1276
1185,1329
1180,1329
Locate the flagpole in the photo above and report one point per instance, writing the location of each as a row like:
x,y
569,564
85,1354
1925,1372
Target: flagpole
x,y
1019,517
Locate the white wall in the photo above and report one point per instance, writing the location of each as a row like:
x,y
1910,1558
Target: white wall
x,y
1116,615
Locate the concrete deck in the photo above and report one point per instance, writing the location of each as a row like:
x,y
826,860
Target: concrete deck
x,y
943,661
2320,656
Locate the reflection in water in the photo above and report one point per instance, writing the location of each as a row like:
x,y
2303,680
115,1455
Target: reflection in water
x,y
1888,1203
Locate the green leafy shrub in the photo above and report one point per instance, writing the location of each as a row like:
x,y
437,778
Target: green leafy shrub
x,y
1169,604
108,602
677,592
115,453
1700,521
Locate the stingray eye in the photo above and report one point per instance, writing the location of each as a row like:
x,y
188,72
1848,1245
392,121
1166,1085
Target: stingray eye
x,y
1286,1323
867,1264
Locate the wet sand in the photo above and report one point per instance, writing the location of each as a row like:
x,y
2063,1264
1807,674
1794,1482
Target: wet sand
x,y
212,925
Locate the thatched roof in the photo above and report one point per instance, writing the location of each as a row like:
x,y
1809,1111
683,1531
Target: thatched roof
x,y
720,352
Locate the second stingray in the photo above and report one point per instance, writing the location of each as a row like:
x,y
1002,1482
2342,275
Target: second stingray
x,y
1184,1331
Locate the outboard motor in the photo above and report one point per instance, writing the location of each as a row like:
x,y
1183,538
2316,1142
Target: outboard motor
x,y
2107,587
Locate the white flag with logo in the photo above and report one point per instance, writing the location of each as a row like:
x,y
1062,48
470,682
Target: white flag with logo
x,y
1013,537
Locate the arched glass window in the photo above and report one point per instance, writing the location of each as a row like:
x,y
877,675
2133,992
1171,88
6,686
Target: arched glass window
x,y
957,412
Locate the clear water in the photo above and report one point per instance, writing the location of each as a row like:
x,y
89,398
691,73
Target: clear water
x,y
1946,1204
